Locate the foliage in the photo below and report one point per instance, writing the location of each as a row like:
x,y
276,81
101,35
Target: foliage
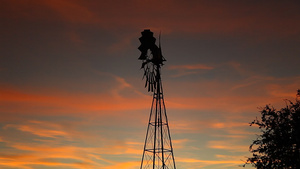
x,y
278,146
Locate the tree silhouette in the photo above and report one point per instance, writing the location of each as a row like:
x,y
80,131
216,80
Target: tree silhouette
x,y
278,146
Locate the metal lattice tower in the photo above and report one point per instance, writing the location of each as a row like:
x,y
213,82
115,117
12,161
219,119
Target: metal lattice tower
x,y
158,150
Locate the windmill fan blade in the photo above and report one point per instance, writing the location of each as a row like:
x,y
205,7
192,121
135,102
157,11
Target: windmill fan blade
x,y
146,72
146,81
149,88
150,85
152,82
152,77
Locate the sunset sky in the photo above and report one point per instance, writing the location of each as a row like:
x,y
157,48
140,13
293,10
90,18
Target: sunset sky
x,y
71,88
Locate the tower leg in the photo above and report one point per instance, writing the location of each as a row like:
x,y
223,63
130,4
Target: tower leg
x,y
158,150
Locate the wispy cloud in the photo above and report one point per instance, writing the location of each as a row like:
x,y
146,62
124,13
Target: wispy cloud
x,y
229,145
183,70
210,162
127,14
42,129
125,165
190,67
73,11
48,148
112,99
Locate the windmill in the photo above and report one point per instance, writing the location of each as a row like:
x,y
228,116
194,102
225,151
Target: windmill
x,y
158,150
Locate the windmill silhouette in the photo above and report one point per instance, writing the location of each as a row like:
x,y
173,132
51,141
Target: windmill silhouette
x,y
158,150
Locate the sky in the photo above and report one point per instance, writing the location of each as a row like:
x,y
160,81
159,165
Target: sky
x,y
71,88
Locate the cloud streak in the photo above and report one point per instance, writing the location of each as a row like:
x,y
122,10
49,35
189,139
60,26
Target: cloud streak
x,y
47,148
190,67
198,16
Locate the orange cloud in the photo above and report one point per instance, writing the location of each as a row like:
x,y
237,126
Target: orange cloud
x,y
225,104
125,165
54,151
210,162
42,129
217,96
197,16
73,11
68,102
49,155
229,145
